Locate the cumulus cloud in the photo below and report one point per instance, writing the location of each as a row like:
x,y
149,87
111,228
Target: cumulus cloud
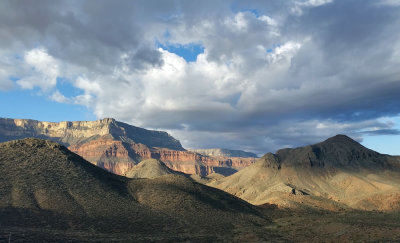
x,y
45,70
272,74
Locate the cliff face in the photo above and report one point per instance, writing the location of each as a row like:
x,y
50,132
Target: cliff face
x,y
69,133
224,152
119,157
117,146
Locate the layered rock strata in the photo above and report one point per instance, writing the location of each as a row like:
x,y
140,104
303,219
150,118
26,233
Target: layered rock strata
x,y
118,147
224,152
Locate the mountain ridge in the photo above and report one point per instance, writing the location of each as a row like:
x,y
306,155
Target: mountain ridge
x,y
64,133
337,173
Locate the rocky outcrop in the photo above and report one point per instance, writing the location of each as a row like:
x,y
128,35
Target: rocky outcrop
x,y
118,147
224,152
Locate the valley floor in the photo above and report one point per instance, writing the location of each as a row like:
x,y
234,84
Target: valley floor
x,y
288,226
327,226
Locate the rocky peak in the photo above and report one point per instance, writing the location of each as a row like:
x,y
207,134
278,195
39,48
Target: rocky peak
x,y
269,160
341,140
338,151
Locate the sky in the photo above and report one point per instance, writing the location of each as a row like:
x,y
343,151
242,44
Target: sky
x,y
251,75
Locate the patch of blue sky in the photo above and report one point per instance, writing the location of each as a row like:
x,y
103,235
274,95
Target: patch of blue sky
x,y
28,104
14,78
236,8
385,144
18,57
272,49
189,52
67,89
253,11
167,34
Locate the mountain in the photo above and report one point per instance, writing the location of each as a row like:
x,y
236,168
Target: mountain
x,y
335,174
224,153
118,147
79,132
51,194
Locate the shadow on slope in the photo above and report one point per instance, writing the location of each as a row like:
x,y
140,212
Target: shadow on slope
x,y
47,189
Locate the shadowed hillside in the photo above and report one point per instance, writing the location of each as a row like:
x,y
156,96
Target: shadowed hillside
x,y
335,174
49,192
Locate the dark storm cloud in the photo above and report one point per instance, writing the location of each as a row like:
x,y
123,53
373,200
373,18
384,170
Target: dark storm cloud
x,y
84,33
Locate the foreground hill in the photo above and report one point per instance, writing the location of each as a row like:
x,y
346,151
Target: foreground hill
x,y
335,174
151,168
45,188
118,147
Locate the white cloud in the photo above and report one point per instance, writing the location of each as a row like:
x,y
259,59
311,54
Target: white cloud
x,y
265,80
58,97
45,70
284,52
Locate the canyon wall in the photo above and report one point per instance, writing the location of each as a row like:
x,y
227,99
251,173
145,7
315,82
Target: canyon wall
x,y
224,152
118,147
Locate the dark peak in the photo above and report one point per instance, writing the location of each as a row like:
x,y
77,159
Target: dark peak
x,y
339,151
341,141
340,138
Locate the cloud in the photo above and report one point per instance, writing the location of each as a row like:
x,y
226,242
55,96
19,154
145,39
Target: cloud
x,y
45,70
272,73
5,82
58,97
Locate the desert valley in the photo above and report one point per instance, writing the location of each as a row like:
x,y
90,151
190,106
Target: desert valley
x,y
110,181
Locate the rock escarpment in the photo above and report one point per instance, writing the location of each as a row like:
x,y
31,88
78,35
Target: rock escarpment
x,y
224,153
335,174
118,147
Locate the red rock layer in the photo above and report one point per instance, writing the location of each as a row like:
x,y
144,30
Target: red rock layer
x,y
106,153
101,147
119,157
